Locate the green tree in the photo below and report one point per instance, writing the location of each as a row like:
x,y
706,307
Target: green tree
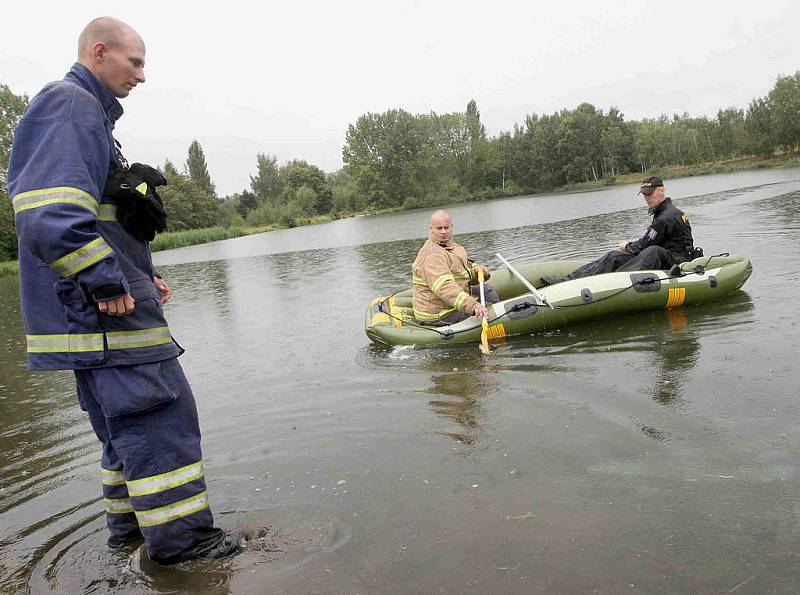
x,y
247,202
616,141
296,174
169,170
477,165
579,144
11,108
188,205
784,103
229,211
759,127
267,184
305,200
732,132
265,213
8,234
345,197
198,170
381,152
648,143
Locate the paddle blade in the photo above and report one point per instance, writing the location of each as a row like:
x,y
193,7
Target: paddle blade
x,y
485,337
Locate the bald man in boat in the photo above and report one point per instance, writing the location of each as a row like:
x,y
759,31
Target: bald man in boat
x,y
92,300
445,281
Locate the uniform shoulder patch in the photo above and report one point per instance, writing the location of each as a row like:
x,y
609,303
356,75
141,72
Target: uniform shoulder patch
x,y
685,218
652,234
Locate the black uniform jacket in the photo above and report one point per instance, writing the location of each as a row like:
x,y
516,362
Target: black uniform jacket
x,y
670,229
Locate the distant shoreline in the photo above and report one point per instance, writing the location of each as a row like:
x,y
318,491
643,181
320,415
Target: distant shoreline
x,y
192,237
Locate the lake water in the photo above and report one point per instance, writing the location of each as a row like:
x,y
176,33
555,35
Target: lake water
x,y
655,452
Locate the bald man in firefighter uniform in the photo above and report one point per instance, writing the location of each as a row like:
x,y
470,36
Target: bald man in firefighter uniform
x,y
92,301
442,275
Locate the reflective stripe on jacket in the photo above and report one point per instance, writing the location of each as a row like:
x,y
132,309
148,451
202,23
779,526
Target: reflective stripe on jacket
x,y
70,243
441,276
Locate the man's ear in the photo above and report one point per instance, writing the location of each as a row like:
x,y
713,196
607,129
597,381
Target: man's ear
x,y
99,51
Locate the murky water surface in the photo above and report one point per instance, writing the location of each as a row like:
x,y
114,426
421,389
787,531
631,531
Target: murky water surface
x,y
650,453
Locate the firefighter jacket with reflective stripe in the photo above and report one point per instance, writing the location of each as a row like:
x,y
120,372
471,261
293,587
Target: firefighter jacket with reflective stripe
x,y
70,243
441,277
670,229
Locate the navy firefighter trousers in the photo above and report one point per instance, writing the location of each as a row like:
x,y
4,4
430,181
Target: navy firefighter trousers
x,y
152,466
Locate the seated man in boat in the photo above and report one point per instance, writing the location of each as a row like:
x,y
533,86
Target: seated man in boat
x,y
442,275
667,242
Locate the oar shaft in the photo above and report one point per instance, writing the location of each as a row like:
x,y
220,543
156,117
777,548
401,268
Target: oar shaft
x,y
484,346
536,293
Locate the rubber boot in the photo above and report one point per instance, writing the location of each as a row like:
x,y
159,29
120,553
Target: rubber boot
x,y
118,541
220,545
231,543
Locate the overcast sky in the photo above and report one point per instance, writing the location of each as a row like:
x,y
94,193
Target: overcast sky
x,y
287,78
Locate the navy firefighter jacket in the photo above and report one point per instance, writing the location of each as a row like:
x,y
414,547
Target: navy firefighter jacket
x,y
70,242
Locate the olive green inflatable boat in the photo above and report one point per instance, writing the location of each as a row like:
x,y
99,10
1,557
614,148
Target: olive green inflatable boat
x,y
389,319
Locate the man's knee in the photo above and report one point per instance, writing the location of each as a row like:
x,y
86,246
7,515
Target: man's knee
x,y
650,250
652,257
489,293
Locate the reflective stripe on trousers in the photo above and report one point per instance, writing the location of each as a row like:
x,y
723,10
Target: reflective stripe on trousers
x,y
152,471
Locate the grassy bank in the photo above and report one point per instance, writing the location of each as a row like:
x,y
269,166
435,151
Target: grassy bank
x,y
671,172
190,237
8,268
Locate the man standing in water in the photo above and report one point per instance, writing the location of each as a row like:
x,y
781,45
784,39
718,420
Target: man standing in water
x,y
668,240
441,276
92,301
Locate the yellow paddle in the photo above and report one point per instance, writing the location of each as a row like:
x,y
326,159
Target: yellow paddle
x,y
484,323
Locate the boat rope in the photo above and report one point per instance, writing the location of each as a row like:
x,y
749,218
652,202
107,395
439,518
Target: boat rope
x,y
448,332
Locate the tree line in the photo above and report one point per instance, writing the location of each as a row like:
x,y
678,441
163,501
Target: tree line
x,y
396,159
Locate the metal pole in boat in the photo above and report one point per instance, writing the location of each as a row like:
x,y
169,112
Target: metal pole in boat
x,y
537,294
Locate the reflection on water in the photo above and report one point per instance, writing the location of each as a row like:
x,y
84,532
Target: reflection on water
x,y
675,355
459,396
657,449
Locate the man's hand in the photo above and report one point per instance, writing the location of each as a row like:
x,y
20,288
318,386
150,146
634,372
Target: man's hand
x,y
623,245
480,311
162,286
119,306
486,274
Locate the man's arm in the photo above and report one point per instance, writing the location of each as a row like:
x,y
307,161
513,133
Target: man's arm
x,y
473,273
654,236
439,278
53,173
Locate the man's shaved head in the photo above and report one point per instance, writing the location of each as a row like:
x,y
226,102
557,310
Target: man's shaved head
x,y
440,214
108,30
114,53
441,226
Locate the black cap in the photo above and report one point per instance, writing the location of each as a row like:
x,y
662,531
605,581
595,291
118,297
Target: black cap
x,y
650,184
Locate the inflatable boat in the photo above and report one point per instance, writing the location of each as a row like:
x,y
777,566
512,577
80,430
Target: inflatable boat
x,y
389,319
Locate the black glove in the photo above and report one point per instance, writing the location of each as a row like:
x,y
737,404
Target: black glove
x,y
139,207
149,174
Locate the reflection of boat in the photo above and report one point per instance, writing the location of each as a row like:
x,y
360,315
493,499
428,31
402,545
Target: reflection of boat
x,y
389,319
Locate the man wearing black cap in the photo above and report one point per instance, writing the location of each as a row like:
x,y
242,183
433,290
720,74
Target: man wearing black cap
x,y
668,240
